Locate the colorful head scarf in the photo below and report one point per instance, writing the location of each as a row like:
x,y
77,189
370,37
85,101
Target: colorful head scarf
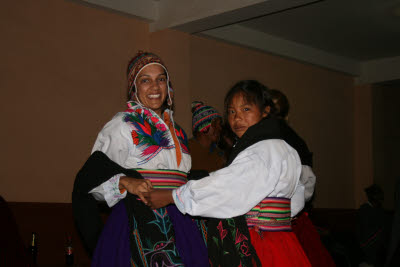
x,y
136,65
203,116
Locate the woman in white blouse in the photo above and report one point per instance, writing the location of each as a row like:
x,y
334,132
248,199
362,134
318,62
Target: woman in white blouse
x,y
141,142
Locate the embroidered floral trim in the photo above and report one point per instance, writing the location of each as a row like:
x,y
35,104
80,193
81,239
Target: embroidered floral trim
x,y
149,133
222,231
227,232
178,194
112,192
182,139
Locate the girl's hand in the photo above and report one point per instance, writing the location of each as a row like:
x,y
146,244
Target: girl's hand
x,y
136,186
159,198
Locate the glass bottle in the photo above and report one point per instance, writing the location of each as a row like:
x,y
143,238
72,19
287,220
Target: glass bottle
x,y
69,252
33,249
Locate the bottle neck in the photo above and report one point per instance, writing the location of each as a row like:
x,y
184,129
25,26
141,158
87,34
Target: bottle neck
x,y
33,242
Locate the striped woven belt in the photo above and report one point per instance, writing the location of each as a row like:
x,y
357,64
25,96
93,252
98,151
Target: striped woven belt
x,y
164,179
271,214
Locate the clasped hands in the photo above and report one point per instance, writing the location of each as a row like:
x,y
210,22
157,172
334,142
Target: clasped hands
x,y
143,188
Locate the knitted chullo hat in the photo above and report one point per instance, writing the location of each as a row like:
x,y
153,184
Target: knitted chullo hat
x,y
202,116
136,65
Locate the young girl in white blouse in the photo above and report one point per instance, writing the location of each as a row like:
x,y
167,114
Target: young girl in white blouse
x,y
261,178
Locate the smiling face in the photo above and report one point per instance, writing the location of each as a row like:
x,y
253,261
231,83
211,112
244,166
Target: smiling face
x,y
151,87
242,115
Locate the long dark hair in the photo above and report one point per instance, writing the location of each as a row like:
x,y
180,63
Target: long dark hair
x,y
253,92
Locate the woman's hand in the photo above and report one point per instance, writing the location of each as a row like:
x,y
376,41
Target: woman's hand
x,y
159,198
136,186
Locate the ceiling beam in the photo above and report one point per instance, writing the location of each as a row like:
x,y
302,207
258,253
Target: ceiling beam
x,y
197,16
380,70
143,9
250,38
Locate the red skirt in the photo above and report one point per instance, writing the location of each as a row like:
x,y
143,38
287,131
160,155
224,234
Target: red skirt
x,y
310,241
278,249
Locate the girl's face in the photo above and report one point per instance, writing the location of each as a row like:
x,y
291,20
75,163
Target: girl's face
x,y
151,84
242,115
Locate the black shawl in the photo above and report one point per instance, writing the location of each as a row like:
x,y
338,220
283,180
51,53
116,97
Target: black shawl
x,y
97,170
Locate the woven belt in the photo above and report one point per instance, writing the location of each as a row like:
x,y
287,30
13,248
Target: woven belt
x,y
164,179
271,214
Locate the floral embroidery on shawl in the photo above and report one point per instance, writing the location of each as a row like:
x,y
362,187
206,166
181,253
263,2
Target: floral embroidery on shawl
x,y
158,247
222,231
229,245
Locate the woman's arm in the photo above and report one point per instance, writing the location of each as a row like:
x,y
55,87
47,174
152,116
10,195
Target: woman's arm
x,y
115,140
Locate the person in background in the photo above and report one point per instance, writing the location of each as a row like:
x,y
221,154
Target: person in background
x,y
13,252
226,141
259,182
206,156
142,142
206,128
393,251
304,229
372,227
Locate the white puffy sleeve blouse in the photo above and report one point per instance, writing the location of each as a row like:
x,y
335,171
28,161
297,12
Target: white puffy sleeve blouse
x,y
269,168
